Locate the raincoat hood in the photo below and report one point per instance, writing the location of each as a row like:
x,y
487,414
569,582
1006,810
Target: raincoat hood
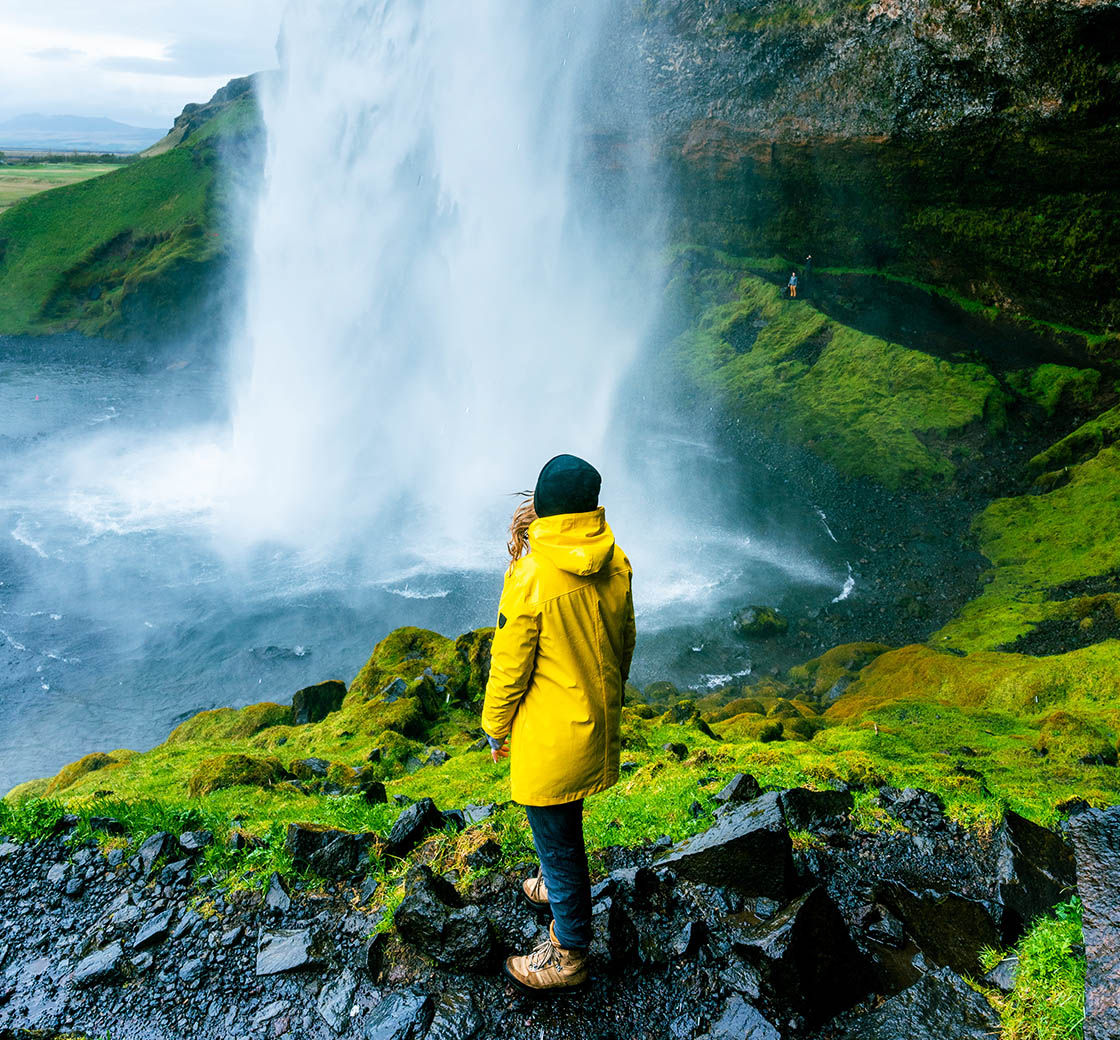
x,y
579,543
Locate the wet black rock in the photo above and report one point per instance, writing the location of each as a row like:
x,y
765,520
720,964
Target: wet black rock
x,y
917,809
742,787
336,999
688,940
309,768
437,757
400,1016
106,824
151,849
412,826
816,811
939,1006
1036,872
287,949
456,1018
1096,844
805,959
195,841
329,852
276,895
1003,975
741,1021
748,848
153,930
949,928
432,919
315,703
373,791
100,967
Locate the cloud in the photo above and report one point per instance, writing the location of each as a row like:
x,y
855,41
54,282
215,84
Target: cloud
x,y
57,54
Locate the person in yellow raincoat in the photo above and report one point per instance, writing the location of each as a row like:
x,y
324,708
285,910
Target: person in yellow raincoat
x,y
560,659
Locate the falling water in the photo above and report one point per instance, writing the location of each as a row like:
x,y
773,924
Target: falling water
x,y
436,305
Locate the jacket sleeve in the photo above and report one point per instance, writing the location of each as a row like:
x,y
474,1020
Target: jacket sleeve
x,y
629,637
512,657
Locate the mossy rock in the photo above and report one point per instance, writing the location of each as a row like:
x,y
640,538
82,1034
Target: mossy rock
x,y
473,648
835,668
681,713
74,772
748,726
233,770
759,622
661,692
641,711
739,706
1082,444
784,710
1075,737
407,652
342,774
396,749
224,724
1057,386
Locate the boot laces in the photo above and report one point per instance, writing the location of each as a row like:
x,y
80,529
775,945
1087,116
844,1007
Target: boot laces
x,y
546,955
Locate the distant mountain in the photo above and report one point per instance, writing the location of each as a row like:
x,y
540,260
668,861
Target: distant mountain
x,y
75,133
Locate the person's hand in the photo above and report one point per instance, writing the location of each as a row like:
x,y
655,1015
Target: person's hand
x,y
496,754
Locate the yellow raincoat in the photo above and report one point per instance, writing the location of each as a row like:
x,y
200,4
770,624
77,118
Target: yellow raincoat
x,y
560,658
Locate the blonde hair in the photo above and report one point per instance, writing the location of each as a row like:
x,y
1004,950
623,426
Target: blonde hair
x,y
523,516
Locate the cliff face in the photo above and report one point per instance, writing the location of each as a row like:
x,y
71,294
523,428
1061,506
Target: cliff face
x,y
852,68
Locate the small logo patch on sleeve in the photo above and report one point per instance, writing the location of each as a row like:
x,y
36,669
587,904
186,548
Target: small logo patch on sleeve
x,y
501,620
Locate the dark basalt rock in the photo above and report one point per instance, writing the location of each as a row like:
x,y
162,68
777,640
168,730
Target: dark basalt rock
x,y
400,1016
153,930
412,825
939,1006
917,809
805,958
748,849
195,841
456,1018
327,851
276,895
103,966
373,791
807,810
315,703
1003,975
759,622
949,928
741,1021
432,919
287,949
151,849
335,1000
1036,872
309,768
1096,844
742,787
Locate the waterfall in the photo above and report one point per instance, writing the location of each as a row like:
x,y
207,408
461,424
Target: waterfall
x,y
439,299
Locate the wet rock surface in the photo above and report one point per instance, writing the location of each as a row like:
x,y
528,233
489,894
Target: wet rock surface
x,y
730,934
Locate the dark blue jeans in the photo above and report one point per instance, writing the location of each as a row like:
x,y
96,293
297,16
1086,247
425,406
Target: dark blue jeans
x,y
558,837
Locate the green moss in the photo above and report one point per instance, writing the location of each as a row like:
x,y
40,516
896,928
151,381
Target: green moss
x,y
72,773
1037,544
230,723
233,770
841,662
1083,443
873,409
1058,386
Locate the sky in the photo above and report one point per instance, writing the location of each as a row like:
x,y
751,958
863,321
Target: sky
x,y
137,61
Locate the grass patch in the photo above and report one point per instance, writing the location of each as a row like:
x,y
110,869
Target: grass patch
x,y
1048,1001
21,182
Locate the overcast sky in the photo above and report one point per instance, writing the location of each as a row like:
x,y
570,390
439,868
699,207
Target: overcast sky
x,y
138,61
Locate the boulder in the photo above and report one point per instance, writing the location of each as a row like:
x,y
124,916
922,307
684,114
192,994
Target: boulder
x,y
195,841
741,1021
432,919
100,967
309,768
816,811
1035,871
1096,845
373,791
287,949
335,1000
151,849
1003,975
742,787
315,703
400,1016
153,930
477,813
759,622
412,826
748,849
456,1018
939,1006
328,851
950,929
805,959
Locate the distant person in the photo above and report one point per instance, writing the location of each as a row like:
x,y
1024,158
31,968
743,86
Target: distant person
x,y
559,662
793,285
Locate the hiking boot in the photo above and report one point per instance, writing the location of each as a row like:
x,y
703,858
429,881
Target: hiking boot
x,y
548,969
535,892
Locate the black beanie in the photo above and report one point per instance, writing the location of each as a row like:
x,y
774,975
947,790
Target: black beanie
x,y
567,485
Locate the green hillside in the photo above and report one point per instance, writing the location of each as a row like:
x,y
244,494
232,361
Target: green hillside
x,y
136,251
